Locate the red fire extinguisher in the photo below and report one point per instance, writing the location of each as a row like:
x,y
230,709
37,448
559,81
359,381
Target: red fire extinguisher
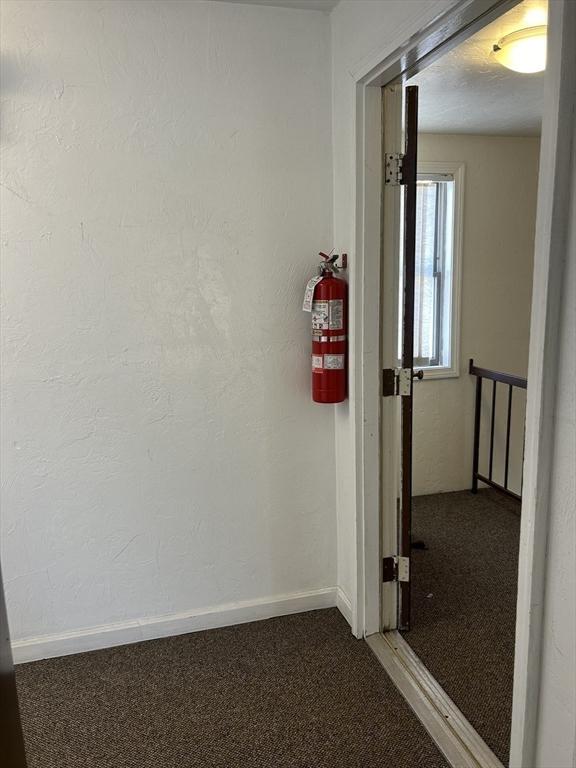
x,y
327,299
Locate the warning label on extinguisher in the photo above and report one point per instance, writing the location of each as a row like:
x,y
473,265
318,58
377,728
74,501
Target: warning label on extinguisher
x,y
327,363
334,362
320,315
328,315
336,314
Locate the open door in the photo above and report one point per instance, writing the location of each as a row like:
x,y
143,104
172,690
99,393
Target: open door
x,y
409,175
397,382
11,740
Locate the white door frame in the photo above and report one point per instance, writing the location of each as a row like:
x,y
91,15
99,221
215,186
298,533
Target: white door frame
x,y
551,226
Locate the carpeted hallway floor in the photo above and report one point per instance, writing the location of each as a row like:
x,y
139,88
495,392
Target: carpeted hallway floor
x,y
292,692
464,603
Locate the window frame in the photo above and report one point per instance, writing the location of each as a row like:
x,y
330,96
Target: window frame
x,y
456,170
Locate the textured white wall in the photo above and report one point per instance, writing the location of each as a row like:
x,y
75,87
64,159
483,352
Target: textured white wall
x,y
165,187
501,176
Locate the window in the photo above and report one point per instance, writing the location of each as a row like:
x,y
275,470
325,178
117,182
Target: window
x,y
436,292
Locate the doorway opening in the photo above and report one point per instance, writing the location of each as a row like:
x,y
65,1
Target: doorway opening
x,y
457,274
478,155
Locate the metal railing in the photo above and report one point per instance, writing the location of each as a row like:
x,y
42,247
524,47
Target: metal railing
x,y
512,382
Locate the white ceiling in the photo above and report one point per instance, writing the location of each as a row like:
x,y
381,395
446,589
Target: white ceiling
x,y
309,5
467,91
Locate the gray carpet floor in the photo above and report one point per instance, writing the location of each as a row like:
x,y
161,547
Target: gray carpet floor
x,y
464,589
292,692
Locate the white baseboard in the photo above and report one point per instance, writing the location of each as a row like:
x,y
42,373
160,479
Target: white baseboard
x,y
344,605
122,633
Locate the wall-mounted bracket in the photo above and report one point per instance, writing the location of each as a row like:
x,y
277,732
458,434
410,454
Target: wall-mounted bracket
x,y
331,261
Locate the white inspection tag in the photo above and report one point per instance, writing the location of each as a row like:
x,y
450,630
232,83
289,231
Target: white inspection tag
x,y
309,293
316,362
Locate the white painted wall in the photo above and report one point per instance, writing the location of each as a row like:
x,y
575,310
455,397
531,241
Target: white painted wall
x,y
165,188
157,177
501,177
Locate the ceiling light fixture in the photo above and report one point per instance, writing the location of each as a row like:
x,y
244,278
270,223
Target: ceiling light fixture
x,y
523,51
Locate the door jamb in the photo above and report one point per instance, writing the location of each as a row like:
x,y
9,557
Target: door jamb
x,y
435,36
436,32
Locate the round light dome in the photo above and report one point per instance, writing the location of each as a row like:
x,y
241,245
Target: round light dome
x,y
523,51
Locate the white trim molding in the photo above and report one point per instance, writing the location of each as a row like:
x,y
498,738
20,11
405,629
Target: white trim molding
x,y
458,741
344,605
551,242
152,628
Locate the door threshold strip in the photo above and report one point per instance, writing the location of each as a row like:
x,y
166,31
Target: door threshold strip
x,y
458,741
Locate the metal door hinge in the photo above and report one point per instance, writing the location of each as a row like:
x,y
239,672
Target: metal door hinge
x,y
396,381
393,162
396,568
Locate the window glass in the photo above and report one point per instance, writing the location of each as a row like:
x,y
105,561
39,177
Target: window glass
x,y
434,268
